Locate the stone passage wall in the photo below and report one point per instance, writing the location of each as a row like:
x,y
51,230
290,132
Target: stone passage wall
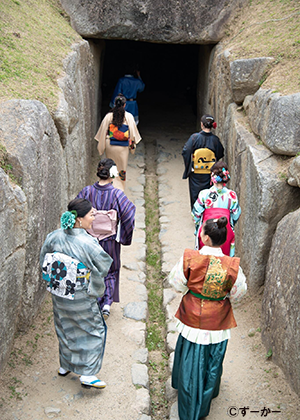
x,y
280,315
261,135
51,157
172,21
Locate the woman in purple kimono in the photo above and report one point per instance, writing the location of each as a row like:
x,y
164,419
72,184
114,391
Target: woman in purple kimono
x,y
119,212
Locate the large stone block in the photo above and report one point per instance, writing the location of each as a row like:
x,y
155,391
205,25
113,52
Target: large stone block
x,y
276,120
13,222
220,92
246,75
173,21
75,117
294,173
281,300
34,150
258,178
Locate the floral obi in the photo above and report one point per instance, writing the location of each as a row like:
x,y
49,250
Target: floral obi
x,y
209,279
119,136
64,274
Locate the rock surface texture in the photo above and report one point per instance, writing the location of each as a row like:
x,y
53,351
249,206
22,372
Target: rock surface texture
x,y
170,21
35,153
258,177
13,216
280,313
276,120
294,173
50,158
246,75
258,173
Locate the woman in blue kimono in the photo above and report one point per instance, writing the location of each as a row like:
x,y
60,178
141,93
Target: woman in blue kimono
x,y
129,85
74,266
200,153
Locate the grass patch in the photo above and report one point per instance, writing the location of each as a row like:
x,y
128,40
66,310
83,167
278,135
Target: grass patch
x,y
156,323
267,28
32,48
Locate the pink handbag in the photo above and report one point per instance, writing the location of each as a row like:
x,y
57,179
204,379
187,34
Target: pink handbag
x,y
105,224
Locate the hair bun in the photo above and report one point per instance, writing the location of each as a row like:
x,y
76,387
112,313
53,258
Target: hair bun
x,y
222,222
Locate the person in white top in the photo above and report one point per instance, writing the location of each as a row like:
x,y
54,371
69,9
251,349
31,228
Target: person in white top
x,y
210,282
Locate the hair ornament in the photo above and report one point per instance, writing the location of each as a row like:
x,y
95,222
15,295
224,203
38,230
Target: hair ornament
x,y
216,178
226,176
113,172
68,219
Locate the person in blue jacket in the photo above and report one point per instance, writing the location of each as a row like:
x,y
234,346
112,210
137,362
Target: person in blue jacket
x,y
129,85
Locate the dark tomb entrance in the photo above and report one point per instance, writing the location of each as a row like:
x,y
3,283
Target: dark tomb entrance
x,y
175,76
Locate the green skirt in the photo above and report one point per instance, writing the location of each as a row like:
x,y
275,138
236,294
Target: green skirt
x,y
197,372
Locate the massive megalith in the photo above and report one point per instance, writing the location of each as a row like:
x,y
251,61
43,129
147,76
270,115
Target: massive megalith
x,y
259,178
35,153
13,222
50,156
165,21
280,309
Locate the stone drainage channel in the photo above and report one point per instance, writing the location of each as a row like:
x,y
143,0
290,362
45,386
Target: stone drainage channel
x,y
170,299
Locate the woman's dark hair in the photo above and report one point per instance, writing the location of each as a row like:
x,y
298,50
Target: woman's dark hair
x,y
119,110
216,229
81,205
103,168
207,120
218,170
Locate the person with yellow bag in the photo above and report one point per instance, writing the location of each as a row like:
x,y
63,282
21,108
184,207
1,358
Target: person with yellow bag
x,y
200,153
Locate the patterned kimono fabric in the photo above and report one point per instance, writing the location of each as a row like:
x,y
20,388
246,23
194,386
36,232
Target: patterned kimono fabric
x,y
197,368
214,203
107,197
112,142
78,321
81,332
199,153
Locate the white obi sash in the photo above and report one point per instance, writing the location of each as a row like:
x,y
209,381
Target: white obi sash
x,y
63,274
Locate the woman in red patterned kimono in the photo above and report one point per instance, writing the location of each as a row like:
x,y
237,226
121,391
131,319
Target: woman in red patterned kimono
x,y
210,281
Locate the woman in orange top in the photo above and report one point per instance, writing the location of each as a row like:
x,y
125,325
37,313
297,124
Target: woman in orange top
x,y
210,281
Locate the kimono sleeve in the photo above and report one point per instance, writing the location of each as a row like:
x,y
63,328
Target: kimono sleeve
x,y
219,149
126,216
199,207
46,248
101,264
235,209
239,288
102,132
141,85
176,278
133,130
186,154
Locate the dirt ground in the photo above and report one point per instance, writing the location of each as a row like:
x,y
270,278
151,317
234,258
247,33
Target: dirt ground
x,y
30,388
